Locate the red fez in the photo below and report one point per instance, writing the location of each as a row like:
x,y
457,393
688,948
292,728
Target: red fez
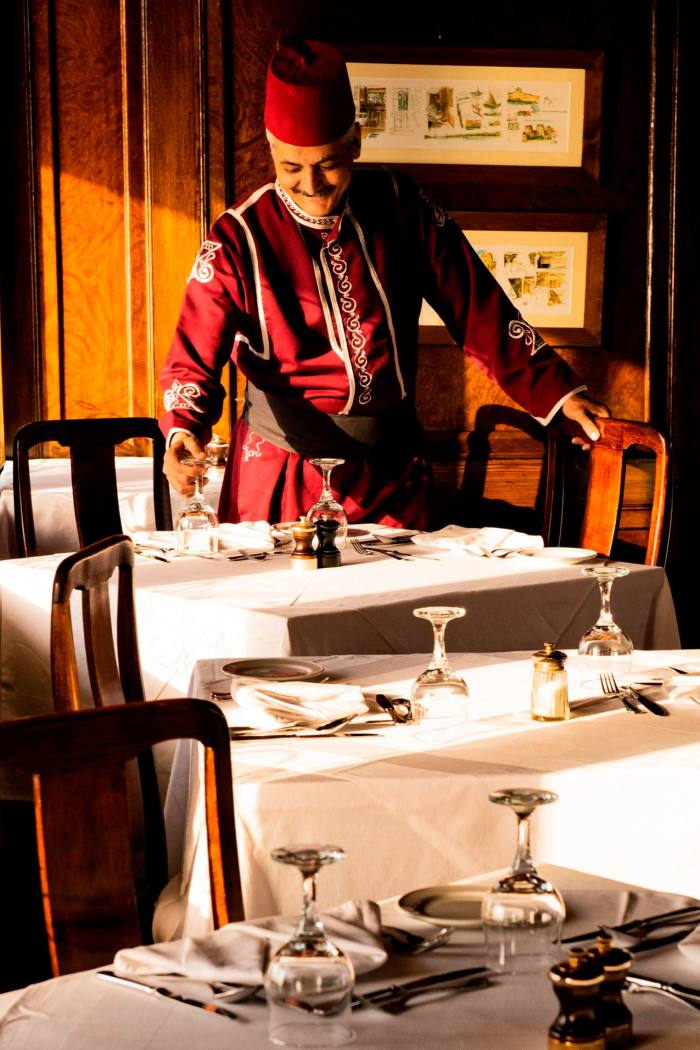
x,y
308,99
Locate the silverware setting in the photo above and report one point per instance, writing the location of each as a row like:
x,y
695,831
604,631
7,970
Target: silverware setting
x,y
678,992
685,917
364,548
395,997
398,708
150,989
404,942
633,700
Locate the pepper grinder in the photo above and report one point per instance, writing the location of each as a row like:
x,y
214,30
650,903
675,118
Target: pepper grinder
x,y
549,701
613,1012
327,554
303,557
578,983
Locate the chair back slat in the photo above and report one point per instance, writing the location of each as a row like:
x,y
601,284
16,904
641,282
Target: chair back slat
x,y
103,669
87,879
85,812
605,484
92,444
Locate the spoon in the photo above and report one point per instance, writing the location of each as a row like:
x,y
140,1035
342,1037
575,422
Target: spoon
x,y
407,943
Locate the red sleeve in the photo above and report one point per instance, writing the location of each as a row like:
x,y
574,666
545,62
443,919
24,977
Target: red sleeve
x,y
213,318
482,320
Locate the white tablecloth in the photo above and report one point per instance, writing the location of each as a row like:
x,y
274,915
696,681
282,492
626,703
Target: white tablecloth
x,y
81,1012
192,608
54,517
411,811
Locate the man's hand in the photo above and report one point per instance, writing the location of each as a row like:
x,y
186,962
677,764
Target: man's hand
x,y
181,475
581,410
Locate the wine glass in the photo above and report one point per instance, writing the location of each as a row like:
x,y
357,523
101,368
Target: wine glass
x,y
326,506
197,526
439,695
606,647
523,913
309,980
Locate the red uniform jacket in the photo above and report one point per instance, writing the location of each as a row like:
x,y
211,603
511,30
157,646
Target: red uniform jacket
x,y
322,312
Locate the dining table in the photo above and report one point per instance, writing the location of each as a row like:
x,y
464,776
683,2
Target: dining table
x,y
411,805
190,608
513,1012
52,501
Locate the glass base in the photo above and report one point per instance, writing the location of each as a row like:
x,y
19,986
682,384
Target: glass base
x,y
308,1033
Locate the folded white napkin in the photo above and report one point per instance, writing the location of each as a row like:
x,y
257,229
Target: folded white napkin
x,y
160,541
481,542
265,705
246,536
236,952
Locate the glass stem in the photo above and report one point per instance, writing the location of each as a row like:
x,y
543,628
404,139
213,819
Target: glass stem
x,y
605,618
310,922
439,661
523,857
326,486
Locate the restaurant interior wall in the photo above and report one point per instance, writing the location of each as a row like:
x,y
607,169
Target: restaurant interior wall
x,y
135,123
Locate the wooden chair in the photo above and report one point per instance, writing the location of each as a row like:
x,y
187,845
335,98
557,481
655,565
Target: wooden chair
x,y
115,677
92,450
89,876
598,507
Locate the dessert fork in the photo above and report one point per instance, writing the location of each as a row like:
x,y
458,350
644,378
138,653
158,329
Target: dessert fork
x,y
610,688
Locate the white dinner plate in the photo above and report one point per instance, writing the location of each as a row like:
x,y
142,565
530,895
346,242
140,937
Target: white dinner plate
x,y
276,669
568,554
355,532
445,905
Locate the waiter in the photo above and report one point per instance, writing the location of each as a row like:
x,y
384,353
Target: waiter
x,y
313,286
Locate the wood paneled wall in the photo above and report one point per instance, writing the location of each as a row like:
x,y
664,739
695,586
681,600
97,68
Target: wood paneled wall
x,y
119,148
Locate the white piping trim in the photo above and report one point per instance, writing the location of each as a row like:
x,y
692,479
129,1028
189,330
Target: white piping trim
x,y
326,313
316,222
256,195
341,335
265,353
383,297
546,420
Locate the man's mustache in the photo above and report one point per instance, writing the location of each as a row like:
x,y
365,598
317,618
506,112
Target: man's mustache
x,y
325,192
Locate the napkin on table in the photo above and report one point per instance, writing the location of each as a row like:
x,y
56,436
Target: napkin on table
x,y
266,705
236,953
480,542
246,536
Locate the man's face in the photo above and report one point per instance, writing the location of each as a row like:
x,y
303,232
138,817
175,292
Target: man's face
x,y
316,177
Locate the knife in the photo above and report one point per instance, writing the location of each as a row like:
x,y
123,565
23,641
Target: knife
x,y
651,705
633,924
141,986
394,993
681,991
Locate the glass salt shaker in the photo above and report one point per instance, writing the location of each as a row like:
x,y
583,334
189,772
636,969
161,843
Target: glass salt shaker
x,y
549,701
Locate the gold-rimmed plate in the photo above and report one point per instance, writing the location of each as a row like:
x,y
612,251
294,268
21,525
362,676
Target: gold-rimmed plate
x,y
276,669
445,905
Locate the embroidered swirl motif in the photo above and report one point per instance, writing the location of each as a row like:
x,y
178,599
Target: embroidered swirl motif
x,y
438,212
248,451
182,395
202,269
353,328
522,330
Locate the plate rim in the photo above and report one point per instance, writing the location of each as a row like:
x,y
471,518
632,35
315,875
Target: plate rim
x,y
584,553
473,893
314,669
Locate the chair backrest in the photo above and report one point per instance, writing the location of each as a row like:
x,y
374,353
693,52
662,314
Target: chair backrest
x,y
82,809
605,484
114,677
92,445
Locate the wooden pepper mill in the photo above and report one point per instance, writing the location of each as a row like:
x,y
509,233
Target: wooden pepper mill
x,y
578,983
613,1012
303,557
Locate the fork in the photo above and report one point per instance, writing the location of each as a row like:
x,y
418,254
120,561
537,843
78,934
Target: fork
x,y
610,688
362,549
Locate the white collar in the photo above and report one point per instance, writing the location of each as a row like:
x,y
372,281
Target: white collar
x,y
316,222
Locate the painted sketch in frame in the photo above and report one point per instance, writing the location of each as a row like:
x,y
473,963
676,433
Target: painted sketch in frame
x,y
510,108
550,267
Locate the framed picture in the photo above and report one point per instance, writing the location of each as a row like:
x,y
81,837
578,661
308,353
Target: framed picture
x,y
550,265
461,108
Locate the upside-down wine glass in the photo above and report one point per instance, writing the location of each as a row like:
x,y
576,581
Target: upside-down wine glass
x,y
605,647
309,980
439,695
327,506
197,526
522,915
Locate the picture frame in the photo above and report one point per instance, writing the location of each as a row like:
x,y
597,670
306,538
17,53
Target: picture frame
x,y
551,265
463,110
